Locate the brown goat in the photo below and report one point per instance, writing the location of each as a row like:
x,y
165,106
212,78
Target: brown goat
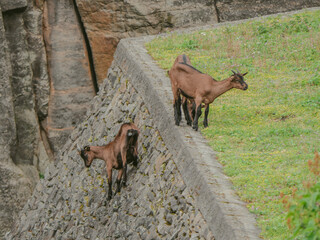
x,y
200,88
116,154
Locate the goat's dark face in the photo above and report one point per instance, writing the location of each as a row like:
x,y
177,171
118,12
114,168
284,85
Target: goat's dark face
x,y
132,133
86,155
238,82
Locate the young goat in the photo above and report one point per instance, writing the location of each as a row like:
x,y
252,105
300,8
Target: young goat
x,y
116,154
199,88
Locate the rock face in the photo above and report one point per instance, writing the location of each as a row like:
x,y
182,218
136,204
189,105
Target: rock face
x,y
70,75
106,22
13,182
27,131
32,127
7,5
242,9
29,81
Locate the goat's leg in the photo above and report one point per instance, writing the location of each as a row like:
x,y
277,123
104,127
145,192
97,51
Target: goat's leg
x,y
198,113
193,111
124,165
177,110
186,111
206,112
176,103
135,155
135,160
118,181
109,172
124,182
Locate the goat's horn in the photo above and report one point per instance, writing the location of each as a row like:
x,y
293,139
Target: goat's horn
x,y
78,147
233,72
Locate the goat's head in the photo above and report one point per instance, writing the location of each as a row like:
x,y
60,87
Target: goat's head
x,y
86,155
237,80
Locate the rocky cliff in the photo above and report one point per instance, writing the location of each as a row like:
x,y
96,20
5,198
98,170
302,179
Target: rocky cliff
x,y
23,97
34,97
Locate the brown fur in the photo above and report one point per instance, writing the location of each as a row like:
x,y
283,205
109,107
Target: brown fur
x,y
116,154
198,87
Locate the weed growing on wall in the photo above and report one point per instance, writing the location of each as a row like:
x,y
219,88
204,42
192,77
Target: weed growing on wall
x,y
303,206
263,136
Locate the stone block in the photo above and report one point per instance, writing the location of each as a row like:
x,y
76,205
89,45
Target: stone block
x,y
7,5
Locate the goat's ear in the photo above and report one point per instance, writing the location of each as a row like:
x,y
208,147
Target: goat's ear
x,y
245,74
87,148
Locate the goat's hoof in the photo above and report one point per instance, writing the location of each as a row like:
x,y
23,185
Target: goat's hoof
x,y
124,184
195,128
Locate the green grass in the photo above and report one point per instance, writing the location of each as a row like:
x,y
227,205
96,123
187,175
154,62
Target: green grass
x,y
263,136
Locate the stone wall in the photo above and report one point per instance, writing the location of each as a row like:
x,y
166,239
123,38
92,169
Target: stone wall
x,y
177,191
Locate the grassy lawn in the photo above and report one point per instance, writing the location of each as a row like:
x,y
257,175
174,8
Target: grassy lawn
x,y
263,136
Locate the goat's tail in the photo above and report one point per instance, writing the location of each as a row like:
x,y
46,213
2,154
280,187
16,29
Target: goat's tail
x,y
184,59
